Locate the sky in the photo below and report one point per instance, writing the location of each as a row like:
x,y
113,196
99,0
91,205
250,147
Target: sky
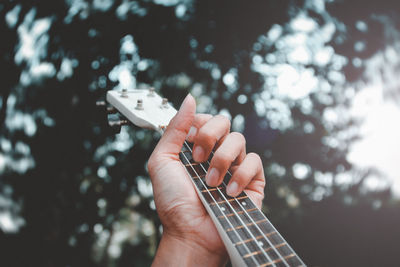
x,y
378,111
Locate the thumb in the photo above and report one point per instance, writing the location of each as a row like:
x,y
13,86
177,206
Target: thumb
x,y
173,138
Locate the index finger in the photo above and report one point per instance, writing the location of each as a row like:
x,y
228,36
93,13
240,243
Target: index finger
x,y
172,140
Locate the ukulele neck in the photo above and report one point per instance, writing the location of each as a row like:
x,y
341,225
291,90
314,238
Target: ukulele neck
x,y
249,236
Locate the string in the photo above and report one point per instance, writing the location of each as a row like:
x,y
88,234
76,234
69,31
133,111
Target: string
x,y
216,203
273,228
259,229
245,226
245,212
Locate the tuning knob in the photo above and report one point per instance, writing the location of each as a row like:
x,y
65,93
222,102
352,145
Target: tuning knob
x,y
102,105
164,103
115,125
139,104
151,92
124,93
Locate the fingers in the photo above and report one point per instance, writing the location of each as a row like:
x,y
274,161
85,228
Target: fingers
x,y
208,135
249,174
232,150
175,134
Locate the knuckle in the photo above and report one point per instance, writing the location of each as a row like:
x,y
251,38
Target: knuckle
x,y
240,175
223,119
239,137
205,137
222,159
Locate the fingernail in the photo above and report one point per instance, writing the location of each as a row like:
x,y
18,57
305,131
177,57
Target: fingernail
x,y
192,132
212,177
184,100
232,189
198,153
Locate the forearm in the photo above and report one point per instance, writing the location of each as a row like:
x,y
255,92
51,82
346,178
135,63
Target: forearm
x,y
173,251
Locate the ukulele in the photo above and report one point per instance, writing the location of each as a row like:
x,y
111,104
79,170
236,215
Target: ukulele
x,y
249,237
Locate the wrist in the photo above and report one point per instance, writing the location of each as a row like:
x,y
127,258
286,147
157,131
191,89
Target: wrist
x,y
176,251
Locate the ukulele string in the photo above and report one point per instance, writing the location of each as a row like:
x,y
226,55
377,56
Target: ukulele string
x,y
273,227
240,219
245,226
258,228
216,203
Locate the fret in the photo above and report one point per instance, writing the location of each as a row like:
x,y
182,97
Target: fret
x,y
196,170
250,232
201,176
211,189
239,212
254,251
268,249
257,238
224,213
253,229
244,241
215,196
278,260
248,224
291,261
229,200
267,227
200,183
259,249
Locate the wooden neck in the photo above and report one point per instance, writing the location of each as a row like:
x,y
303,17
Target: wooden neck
x,y
246,232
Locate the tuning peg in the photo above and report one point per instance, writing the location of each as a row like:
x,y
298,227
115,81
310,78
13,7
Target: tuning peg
x,y
102,105
124,93
111,110
115,125
139,104
164,103
151,91
118,123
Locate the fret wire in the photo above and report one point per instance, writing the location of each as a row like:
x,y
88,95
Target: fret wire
x,y
240,212
269,242
248,224
254,259
257,238
277,246
267,256
244,210
210,189
285,258
230,200
255,224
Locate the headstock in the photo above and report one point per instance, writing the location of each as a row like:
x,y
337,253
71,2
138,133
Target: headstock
x,y
142,107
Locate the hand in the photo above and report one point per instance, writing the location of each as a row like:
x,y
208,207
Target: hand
x,y
190,237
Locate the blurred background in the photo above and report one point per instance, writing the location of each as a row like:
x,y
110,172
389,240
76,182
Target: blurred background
x,y
312,84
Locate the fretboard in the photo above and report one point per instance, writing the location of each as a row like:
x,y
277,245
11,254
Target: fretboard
x,y
245,230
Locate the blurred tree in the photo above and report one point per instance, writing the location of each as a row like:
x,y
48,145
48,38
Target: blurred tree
x,y
85,197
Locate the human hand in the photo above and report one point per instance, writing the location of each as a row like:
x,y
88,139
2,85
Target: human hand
x,y
190,237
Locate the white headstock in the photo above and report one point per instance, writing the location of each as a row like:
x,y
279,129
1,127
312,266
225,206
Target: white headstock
x,y
144,108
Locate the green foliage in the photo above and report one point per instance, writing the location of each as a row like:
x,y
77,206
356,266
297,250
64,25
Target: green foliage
x,y
84,196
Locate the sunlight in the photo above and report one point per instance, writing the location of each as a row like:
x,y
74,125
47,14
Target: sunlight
x,y
380,131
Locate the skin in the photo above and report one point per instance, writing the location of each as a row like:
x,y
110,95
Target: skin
x,y
189,235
